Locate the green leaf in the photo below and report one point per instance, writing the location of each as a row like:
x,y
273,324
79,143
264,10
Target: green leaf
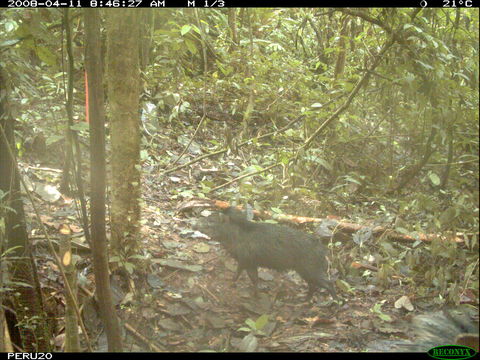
x,y
250,323
138,257
261,322
290,132
191,46
53,138
385,317
80,126
324,163
426,66
196,29
46,55
402,230
434,179
10,25
129,267
185,29
352,180
206,26
377,309
19,283
9,250
9,42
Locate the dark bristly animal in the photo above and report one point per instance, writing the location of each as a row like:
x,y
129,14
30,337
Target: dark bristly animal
x,y
272,246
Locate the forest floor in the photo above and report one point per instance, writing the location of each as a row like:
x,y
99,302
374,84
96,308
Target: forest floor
x,y
186,302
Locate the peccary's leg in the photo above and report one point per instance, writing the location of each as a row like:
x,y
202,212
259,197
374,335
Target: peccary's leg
x,y
240,269
321,283
253,275
311,289
328,285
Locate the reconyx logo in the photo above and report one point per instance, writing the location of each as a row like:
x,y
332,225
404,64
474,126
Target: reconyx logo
x,y
452,352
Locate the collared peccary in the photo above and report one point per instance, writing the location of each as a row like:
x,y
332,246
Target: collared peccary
x,y
272,246
453,326
457,326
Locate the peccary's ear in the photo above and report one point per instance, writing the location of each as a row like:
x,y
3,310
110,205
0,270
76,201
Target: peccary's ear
x,y
228,213
235,214
225,218
228,210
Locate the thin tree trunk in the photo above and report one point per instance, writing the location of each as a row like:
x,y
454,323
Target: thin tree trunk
x,y
29,305
94,68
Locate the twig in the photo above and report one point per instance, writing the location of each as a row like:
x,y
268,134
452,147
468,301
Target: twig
x,y
142,338
244,176
209,293
286,127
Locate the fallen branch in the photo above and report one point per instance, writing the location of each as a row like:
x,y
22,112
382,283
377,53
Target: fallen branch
x,y
341,226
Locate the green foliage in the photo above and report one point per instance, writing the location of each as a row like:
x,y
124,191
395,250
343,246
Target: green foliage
x,y
377,309
255,327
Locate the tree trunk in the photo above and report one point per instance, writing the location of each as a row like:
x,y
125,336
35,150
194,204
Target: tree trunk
x,y
30,317
123,80
94,68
